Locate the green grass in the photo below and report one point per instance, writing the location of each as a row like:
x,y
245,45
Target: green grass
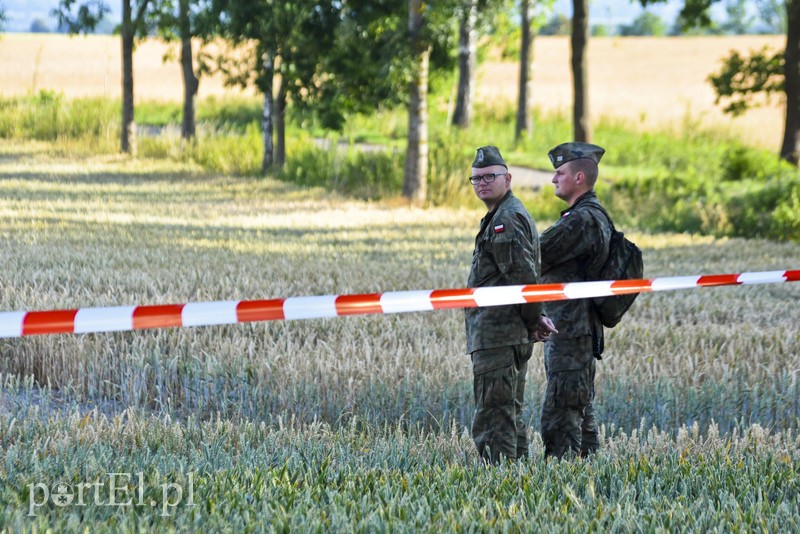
x,y
685,178
242,476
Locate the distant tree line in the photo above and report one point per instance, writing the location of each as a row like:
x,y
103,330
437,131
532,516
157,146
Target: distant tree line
x,y
771,19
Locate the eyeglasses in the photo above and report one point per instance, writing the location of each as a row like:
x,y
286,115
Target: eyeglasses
x,y
488,178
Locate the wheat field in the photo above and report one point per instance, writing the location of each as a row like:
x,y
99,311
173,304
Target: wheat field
x,y
650,82
354,424
357,423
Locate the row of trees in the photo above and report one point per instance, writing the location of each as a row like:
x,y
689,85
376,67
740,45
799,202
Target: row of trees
x,y
336,57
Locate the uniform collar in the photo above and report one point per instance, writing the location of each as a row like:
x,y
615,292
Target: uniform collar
x,y
500,202
588,196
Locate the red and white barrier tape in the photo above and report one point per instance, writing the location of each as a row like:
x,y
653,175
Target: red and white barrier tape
x,y
121,318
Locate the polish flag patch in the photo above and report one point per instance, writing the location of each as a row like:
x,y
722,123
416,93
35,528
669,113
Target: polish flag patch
x,y
499,228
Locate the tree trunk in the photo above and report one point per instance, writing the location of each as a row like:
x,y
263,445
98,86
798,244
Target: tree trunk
x,y
467,51
266,112
415,176
128,141
790,149
580,37
190,81
280,125
525,101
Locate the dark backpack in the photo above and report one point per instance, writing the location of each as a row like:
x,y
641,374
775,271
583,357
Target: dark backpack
x,y
624,263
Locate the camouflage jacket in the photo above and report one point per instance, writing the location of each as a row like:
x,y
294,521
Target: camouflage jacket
x,y
506,253
575,246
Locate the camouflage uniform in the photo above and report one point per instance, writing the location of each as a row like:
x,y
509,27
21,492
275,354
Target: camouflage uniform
x,y
573,247
500,338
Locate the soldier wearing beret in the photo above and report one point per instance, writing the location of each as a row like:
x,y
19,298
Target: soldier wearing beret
x,y
577,244
500,338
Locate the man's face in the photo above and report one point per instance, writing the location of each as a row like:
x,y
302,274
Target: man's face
x,y
566,182
491,193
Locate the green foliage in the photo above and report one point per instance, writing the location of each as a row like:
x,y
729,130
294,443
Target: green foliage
x,y
558,24
646,23
684,179
344,168
48,116
79,17
742,78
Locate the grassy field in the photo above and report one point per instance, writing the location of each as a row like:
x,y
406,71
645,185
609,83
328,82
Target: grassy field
x,y
356,424
651,82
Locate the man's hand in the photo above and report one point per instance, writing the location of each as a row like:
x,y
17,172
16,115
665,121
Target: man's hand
x,y
544,329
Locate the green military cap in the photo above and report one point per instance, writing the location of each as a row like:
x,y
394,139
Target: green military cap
x,y
570,151
488,156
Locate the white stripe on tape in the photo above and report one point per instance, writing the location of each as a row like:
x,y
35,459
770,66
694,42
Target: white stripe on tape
x,y
406,301
588,289
675,282
109,319
309,307
11,323
496,296
209,313
762,278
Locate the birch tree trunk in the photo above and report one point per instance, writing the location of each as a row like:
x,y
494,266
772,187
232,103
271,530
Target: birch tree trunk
x,y
467,60
280,125
128,140
190,81
416,168
582,128
525,101
266,112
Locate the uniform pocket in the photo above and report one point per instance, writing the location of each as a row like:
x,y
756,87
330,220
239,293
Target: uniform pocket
x,y
571,389
496,388
503,252
483,265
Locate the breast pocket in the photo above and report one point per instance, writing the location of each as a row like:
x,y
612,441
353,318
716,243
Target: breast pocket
x,y
484,268
503,253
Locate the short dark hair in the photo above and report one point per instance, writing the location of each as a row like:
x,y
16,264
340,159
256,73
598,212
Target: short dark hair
x,y
587,167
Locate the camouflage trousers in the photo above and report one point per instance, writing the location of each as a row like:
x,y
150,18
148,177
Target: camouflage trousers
x,y
499,377
568,423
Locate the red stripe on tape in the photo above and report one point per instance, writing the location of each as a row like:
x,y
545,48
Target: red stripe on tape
x,y
443,299
358,304
792,276
544,292
163,316
623,287
260,310
49,322
718,280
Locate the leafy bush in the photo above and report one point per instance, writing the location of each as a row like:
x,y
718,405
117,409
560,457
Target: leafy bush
x,y
685,179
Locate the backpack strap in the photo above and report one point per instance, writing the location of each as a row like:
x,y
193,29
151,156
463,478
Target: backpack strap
x,y
584,265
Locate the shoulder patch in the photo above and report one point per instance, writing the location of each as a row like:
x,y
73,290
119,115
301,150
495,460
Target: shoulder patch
x,y
499,228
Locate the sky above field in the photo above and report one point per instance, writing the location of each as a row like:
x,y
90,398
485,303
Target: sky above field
x,y
21,13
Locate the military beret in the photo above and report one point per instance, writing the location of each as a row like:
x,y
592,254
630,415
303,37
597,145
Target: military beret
x,y
570,151
488,156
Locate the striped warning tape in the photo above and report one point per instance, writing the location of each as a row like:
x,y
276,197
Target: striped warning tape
x,y
122,318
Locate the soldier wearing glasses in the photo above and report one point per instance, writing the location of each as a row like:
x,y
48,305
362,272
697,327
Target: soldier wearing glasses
x,y
500,338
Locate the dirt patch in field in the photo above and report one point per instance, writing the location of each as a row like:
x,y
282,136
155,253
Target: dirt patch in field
x,y
649,81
